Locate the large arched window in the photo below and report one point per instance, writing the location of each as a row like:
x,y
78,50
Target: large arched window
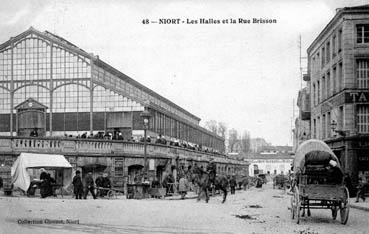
x,y
71,98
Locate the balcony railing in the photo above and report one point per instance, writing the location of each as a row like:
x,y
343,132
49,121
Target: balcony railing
x,y
97,147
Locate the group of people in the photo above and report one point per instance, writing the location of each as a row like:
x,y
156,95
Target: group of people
x,y
81,188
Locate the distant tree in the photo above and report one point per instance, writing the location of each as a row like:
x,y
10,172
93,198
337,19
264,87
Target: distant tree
x,y
245,142
212,126
222,129
233,139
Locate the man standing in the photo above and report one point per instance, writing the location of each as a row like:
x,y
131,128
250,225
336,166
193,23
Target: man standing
x,y
78,185
45,183
89,186
106,184
232,184
99,184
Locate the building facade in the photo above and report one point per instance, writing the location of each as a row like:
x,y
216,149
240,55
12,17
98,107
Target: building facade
x,y
338,79
81,93
270,163
51,90
301,132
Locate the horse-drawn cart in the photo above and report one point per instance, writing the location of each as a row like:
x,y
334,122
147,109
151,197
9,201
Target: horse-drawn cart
x,y
318,182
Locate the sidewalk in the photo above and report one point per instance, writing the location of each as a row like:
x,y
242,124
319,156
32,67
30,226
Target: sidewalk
x,y
360,205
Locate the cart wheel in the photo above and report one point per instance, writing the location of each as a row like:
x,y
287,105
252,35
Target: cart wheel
x,y
297,205
292,207
334,212
345,207
110,194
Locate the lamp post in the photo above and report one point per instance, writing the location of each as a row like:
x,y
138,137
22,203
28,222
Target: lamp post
x,y
334,126
145,115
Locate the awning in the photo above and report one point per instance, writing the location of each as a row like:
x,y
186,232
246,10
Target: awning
x,y
20,176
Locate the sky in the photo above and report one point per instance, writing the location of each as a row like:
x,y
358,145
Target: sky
x,y
245,75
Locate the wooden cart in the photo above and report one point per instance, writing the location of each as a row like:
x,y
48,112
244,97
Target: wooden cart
x,y
318,185
280,182
7,179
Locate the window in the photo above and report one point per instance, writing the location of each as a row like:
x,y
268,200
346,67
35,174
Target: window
x,y
334,38
328,124
324,120
317,59
318,132
363,73
314,128
323,57
340,118
314,94
323,88
339,40
118,167
328,85
362,33
328,56
318,92
334,79
340,77
363,119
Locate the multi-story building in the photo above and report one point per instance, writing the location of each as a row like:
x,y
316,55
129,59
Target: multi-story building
x,y
338,76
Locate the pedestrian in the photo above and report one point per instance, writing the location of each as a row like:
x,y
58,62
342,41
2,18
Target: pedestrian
x,y
106,184
233,184
360,190
183,186
99,185
89,186
245,182
45,183
34,133
348,183
77,185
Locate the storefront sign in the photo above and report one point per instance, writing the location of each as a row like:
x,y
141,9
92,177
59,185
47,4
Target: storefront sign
x,y
363,158
357,97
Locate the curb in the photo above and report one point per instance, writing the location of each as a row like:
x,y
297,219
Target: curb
x,y
359,207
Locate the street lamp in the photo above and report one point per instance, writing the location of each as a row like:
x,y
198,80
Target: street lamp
x,y
334,126
145,115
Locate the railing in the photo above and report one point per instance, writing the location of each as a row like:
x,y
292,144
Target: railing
x,y
91,147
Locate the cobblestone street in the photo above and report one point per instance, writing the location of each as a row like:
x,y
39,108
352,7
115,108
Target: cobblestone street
x,y
252,211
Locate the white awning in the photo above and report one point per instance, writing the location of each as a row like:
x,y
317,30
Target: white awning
x,y
20,176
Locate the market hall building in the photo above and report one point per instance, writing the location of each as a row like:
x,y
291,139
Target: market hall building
x,y
338,88
52,87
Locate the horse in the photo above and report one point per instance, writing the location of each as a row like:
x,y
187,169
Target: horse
x,y
203,182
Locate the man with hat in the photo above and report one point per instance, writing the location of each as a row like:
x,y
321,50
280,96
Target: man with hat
x,y
211,169
89,186
77,185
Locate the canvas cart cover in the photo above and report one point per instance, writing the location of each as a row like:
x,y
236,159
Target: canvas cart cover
x,y
20,176
318,149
